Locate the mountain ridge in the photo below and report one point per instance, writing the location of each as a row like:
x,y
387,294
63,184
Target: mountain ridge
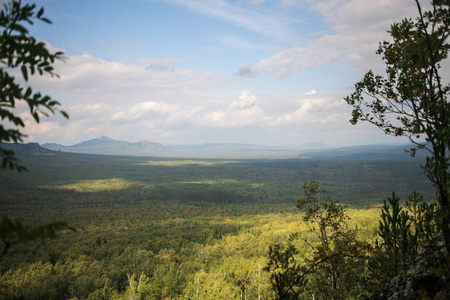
x,y
107,146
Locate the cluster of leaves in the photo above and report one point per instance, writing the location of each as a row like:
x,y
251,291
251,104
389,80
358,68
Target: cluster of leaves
x,y
20,51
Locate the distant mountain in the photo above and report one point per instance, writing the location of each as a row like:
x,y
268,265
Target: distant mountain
x,y
24,148
142,146
317,145
53,146
101,141
106,145
364,152
226,147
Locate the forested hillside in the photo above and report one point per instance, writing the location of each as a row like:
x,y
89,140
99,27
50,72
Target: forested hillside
x,y
160,228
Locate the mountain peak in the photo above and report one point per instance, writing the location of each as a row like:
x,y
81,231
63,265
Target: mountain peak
x,y
104,138
101,140
106,145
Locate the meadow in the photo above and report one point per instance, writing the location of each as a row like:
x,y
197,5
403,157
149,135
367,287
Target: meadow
x,y
176,228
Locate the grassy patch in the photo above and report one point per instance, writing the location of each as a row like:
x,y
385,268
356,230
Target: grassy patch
x,y
176,163
97,185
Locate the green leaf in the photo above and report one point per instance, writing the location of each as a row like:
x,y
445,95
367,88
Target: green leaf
x,y
65,114
24,73
28,93
36,117
46,20
40,12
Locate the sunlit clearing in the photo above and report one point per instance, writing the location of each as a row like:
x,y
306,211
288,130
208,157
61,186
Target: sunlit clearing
x,y
96,185
213,181
175,163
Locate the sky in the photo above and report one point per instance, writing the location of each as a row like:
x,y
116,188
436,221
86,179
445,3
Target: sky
x,y
267,72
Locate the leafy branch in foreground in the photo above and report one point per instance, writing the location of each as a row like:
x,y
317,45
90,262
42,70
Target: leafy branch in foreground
x,y
23,54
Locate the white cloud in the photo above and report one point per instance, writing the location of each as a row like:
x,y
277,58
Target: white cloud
x,y
243,112
129,102
357,26
312,110
91,79
261,22
355,15
131,98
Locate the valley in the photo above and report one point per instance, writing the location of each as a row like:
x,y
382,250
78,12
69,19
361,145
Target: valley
x,y
186,228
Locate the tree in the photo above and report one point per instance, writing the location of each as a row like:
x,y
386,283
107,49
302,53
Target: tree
x,y
402,236
423,217
22,54
390,231
327,218
287,276
20,51
336,260
411,99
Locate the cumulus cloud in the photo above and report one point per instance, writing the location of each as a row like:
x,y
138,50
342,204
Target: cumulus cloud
x,y
156,99
311,110
100,95
129,102
90,78
239,113
141,111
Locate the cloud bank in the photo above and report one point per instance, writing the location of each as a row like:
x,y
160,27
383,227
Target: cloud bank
x,y
169,100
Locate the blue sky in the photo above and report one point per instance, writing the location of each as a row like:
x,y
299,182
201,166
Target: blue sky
x,y
191,72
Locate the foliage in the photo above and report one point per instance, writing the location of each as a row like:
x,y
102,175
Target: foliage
x,y
14,232
326,214
288,277
402,236
20,52
328,217
137,289
197,231
390,229
424,218
412,99
337,258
